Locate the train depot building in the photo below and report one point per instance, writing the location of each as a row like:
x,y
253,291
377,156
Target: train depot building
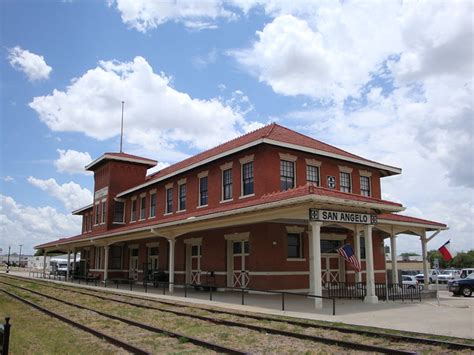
x,y
265,211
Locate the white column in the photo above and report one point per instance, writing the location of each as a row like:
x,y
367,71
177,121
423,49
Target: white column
x,y
311,266
68,264
44,263
358,275
369,262
393,250
106,262
172,243
424,253
315,261
74,261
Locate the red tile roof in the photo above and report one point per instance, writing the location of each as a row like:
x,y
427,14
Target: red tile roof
x,y
408,219
122,156
272,131
268,198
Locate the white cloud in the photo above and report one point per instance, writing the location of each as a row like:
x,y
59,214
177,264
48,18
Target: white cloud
x,y
32,65
157,116
31,226
201,62
8,178
72,195
144,15
72,162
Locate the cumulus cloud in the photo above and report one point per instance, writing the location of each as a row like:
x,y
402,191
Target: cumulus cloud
x,y
8,178
72,195
144,15
32,65
157,116
31,226
72,162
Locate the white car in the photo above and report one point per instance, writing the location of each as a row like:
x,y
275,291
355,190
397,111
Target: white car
x,y
410,281
432,274
447,275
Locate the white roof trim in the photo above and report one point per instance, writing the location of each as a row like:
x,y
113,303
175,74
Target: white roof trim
x,y
254,143
411,224
82,209
114,157
291,201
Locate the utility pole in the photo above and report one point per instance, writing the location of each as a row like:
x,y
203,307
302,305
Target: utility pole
x,y
8,260
19,258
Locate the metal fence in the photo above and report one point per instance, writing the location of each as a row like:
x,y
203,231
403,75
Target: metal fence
x,y
384,291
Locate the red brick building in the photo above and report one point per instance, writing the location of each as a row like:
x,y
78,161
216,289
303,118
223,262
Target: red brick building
x,y
239,215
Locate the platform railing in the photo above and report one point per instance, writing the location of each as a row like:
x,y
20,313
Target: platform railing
x,y
384,291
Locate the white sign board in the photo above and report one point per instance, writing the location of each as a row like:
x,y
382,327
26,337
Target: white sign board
x,y
341,217
101,193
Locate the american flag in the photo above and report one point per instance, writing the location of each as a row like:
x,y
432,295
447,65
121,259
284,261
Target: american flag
x,y
347,253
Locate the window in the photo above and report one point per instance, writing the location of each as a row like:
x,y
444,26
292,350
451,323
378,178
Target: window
x,y
195,250
345,182
116,257
247,179
203,191
119,209
97,214
90,222
365,186
295,247
330,246
153,258
169,200
142,207
362,247
133,213
104,212
98,257
287,175
152,205
237,247
312,174
182,197
227,184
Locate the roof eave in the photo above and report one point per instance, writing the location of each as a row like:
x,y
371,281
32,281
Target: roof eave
x,y
82,209
148,162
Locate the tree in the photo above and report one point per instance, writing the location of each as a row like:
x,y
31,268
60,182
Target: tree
x,y
460,261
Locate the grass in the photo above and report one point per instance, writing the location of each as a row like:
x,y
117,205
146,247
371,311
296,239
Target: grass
x,y
33,332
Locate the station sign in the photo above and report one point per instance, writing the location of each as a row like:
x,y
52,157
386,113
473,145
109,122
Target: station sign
x,y
101,193
316,214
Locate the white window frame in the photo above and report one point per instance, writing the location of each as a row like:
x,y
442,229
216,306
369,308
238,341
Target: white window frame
x,y
347,170
133,218
142,198
96,213
103,217
153,192
169,186
367,174
182,182
243,161
202,175
295,230
123,214
316,164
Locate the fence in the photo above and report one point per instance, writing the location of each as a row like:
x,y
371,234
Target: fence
x,y
384,291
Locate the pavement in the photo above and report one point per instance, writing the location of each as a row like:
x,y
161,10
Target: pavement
x,y
453,316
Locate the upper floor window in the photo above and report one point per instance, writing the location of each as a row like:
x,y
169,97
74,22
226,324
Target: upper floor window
x,y
97,213
169,200
247,178
133,212
287,175
153,205
203,193
295,246
104,212
365,186
182,197
312,174
227,184
119,209
142,207
345,179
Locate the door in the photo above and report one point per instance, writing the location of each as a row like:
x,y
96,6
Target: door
x,y
193,263
133,264
330,268
240,256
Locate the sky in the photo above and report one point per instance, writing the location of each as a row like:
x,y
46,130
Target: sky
x,y
388,80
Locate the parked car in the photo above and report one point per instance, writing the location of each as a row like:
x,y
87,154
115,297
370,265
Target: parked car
x,y
447,275
433,274
462,286
466,272
410,282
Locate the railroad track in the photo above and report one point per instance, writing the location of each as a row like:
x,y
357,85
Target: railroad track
x,y
398,338
113,340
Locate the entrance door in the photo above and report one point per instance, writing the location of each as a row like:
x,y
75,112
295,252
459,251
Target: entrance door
x,y
193,263
240,256
133,264
330,268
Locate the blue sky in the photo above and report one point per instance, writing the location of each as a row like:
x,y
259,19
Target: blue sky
x,y
390,81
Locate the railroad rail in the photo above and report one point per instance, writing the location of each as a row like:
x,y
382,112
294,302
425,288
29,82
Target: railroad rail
x,y
370,333
195,341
